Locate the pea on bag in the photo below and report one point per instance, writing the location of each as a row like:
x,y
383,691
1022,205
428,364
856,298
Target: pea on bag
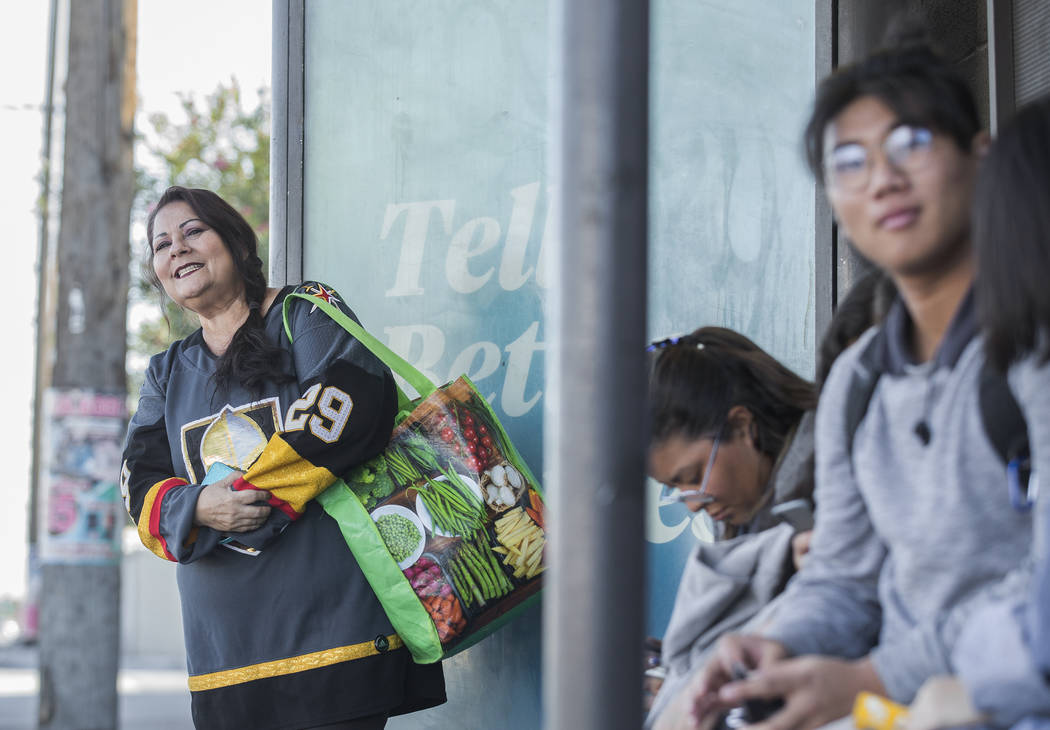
x,y
447,524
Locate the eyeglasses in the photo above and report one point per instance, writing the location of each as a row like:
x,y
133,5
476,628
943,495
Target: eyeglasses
x,y
848,167
671,495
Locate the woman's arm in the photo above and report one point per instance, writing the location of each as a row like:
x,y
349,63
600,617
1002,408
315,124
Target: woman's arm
x,y
162,505
344,416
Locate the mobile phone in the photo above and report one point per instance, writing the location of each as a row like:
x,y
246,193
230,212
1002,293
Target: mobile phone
x,y
751,711
796,513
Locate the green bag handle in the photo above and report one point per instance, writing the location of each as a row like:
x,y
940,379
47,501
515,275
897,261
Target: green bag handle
x,y
397,364
396,595
400,603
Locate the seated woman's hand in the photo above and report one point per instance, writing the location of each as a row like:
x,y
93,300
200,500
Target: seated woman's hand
x,y
222,508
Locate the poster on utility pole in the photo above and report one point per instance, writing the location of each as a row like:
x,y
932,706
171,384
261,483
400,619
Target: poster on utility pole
x,y
81,512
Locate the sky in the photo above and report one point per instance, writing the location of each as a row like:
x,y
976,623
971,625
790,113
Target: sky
x,y
189,47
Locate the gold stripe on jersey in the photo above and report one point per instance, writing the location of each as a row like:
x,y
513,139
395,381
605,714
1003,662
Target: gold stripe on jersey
x,y
287,476
149,518
292,665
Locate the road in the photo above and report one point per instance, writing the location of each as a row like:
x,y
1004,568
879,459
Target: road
x,y
153,694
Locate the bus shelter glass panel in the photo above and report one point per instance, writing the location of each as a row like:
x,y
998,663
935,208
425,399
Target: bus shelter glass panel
x,y
427,205
731,204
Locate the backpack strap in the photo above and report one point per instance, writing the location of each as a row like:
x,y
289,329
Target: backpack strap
x,y
862,386
1001,417
1003,422
1005,427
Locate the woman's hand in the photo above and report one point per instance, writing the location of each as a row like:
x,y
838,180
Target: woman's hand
x,y
222,508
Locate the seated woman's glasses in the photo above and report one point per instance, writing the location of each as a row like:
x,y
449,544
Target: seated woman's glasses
x,y
699,496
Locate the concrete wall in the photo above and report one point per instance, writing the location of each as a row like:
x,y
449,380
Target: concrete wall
x,y
150,614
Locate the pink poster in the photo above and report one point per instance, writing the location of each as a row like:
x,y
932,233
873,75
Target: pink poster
x,y
81,512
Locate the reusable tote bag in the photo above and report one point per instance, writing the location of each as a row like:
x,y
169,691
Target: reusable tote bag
x,y
446,523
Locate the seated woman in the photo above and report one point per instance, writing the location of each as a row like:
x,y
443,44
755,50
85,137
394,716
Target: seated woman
x,y
732,435
717,385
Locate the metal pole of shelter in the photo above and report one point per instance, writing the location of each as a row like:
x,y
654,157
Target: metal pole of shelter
x,y
594,418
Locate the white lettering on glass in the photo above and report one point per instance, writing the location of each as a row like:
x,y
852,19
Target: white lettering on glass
x,y
490,357
460,252
512,273
656,530
519,363
413,240
470,262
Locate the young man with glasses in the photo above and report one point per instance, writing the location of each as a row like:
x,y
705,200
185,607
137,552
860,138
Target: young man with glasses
x,y
912,528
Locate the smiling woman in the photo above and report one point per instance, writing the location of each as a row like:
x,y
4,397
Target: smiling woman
x,y
279,421
196,269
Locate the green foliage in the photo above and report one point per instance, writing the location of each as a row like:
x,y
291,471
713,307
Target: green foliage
x,y
218,144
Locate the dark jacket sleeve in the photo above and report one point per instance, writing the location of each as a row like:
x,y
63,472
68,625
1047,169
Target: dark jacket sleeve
x,y
161,504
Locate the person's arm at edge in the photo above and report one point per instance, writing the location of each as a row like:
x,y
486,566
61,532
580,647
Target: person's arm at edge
x,y
831,606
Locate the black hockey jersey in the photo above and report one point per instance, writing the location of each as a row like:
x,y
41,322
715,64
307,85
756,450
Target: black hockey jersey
x,y
287,632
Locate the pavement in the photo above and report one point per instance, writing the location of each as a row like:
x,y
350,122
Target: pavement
x,y
152,692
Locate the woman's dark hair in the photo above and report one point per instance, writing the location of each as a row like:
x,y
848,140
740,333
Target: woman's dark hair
x,y
249,359
909,77
696,381
865,304
1011,232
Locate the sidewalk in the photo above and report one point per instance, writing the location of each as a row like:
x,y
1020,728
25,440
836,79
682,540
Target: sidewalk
x,y
152,692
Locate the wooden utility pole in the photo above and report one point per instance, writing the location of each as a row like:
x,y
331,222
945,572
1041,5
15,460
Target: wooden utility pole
x,y
80,509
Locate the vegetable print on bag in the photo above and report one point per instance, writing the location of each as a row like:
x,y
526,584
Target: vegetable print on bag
x,y
447,523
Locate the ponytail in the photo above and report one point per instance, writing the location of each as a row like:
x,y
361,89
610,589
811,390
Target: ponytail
x,y
695,380
250,359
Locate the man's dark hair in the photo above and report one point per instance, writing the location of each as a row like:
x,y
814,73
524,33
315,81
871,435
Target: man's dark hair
x,y
249,359
865,304
1011,232
910,78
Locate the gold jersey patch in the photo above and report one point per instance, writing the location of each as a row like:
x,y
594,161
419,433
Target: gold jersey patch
x,y
236,435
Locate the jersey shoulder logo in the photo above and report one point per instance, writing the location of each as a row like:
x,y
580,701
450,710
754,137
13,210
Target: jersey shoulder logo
x,y
323,293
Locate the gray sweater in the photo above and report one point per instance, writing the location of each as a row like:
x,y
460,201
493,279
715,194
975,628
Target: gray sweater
x,y
907,535
1004,640
732,585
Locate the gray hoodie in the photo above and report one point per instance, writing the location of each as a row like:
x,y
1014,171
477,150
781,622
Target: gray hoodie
x,y
732,585
908,534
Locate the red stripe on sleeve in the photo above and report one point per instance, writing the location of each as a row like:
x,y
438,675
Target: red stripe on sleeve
x,y
242,483
154,515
